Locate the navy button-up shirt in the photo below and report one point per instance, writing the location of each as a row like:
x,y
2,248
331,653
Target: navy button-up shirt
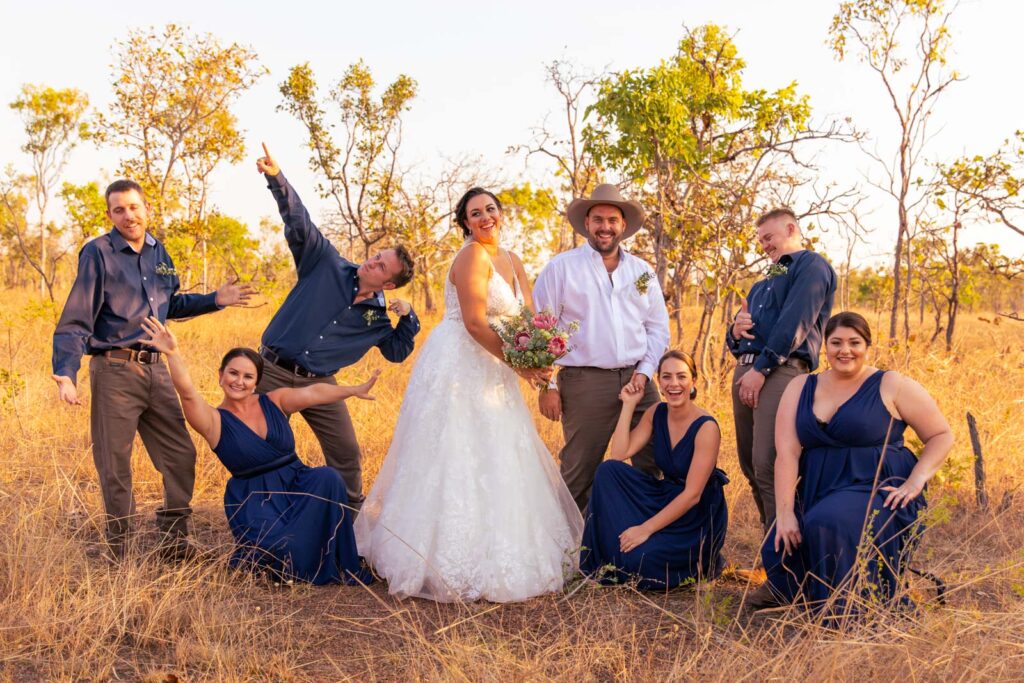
x,y
318,326
115,289
789,312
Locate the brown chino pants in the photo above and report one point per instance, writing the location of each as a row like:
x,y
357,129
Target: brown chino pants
x,y
590,411
755,436
332,426
129,397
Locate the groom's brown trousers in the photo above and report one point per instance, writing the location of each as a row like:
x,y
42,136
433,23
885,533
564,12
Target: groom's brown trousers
x,y
590,411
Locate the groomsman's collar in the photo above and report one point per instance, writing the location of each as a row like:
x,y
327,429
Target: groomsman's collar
x,y
120,243
786,259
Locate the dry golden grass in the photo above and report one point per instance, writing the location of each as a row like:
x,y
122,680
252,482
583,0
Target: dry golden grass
x,y
66,614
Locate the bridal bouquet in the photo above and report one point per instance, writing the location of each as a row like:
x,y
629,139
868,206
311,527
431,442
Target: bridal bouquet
x,y
534,340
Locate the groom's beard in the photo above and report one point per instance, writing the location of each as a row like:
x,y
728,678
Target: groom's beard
x,y
605,251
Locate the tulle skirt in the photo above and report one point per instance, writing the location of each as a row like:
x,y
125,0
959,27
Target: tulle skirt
x,y
468,504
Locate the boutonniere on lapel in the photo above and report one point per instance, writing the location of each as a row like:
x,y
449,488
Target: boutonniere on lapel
x,y
776,269
643,282
164,269
370,317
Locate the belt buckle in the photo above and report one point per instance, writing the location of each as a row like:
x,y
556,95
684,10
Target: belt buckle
x,y
144,356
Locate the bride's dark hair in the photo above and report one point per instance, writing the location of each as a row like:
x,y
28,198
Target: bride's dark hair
x,y
460,208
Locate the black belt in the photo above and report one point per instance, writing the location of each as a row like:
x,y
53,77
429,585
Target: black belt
x,y
141,356
287,365
266,467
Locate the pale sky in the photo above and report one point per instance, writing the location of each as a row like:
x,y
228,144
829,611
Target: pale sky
x,y
481,74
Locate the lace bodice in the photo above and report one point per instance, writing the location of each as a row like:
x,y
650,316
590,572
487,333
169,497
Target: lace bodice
x,y
502,301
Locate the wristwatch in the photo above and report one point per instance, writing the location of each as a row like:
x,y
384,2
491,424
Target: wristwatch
x,y
552,385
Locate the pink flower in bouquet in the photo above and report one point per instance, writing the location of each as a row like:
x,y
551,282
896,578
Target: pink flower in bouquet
x,y
522,341
557,347
543,321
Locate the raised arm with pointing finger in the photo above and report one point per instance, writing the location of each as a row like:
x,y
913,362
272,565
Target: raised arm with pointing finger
x,y
335,313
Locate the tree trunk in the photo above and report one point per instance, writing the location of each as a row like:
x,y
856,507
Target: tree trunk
x,y
660,265
677,304
206,268
428,292
906,294
897,283
42,258
954,294
937,315
700,331
980,494
902,235
708,319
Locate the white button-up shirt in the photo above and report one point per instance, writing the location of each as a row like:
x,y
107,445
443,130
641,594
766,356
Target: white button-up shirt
x,y
620,325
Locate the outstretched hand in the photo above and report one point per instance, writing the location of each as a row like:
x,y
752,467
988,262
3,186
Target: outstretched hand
x,y
234,294
160,338
266,164
363,390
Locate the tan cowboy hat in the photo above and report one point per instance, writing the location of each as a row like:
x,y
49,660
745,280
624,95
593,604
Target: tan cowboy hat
x,y
605,193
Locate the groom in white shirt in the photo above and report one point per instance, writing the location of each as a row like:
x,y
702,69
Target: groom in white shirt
x,y
623,332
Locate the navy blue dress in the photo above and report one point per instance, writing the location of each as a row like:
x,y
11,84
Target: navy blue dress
x,y
285,516
839,503
686,550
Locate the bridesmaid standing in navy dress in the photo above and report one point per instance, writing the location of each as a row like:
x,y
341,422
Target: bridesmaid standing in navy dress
x,y
663,532
840,434
286,517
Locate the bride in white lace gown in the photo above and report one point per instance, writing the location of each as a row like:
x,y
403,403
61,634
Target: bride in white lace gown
x,y
469,504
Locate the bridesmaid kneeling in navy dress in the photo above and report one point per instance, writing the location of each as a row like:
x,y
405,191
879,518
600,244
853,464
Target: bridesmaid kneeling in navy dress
x,y
850,524
663,532
286,518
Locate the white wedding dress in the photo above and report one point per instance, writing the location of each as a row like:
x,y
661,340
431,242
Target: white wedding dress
x,y
468,504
